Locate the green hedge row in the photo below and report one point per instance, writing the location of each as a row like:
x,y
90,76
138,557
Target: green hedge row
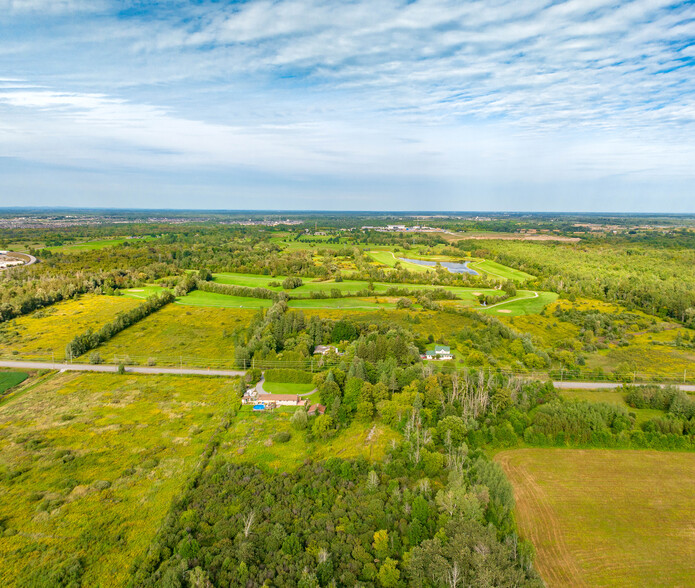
x,y
288,376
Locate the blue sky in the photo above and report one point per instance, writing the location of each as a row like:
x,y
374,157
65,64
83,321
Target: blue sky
x,y
583,105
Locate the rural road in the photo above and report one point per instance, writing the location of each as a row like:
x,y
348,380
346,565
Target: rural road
x,y
87,367
607,386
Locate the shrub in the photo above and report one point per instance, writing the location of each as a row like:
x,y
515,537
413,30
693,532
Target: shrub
x,y
282,437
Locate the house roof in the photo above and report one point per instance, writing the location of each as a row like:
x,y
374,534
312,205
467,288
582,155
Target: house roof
x,y
320,408
442,348
279,397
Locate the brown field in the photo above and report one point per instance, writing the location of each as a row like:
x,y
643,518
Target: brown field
x,y
606,517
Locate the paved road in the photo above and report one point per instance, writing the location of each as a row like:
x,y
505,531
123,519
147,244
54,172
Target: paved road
x,y
608,386
85,367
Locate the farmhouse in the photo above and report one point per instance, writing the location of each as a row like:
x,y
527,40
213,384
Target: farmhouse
x,y
441,352
316,409
324,349
282,399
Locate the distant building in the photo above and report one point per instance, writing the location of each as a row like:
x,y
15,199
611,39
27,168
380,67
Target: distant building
x,y
324,349
316,409
281,399
441,352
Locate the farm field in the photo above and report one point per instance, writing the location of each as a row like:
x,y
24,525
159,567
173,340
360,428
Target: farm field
x,y
10,380
45,333
250,439
90,464
177,333
606,517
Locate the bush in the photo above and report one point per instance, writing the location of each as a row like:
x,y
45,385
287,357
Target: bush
x,y
291,283
282,437
95,358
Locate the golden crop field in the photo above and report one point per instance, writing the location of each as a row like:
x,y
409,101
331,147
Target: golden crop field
x,y
179,333
606,517
89,465
43,334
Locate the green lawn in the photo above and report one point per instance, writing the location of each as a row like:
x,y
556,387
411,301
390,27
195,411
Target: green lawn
x,y
388,258
284,388
10,380
200,298
524,303
86,246
342,303
498,270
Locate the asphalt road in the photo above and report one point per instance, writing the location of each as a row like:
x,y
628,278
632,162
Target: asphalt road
x,y
87,367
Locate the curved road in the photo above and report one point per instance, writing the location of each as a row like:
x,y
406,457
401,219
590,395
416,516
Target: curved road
x,y
86,367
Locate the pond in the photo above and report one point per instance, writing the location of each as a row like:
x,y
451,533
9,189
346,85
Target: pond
x,y
454,268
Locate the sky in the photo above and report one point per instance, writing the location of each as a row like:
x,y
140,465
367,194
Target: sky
x,y
577,105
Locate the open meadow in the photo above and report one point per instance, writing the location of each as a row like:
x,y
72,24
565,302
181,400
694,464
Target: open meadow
x,y
89,465
252,438
606,517
179,334
44,333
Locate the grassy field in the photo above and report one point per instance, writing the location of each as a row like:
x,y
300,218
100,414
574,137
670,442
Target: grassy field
x,y
10,380
180,333
524,303
86,246
90,464
373,303
612,397
47,331
212,299
388,258
250,439
606,517
285,388
497,270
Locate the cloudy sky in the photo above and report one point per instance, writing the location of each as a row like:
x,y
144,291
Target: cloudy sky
x,y
581,105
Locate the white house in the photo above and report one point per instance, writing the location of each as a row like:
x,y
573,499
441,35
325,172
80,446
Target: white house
x,y
440,352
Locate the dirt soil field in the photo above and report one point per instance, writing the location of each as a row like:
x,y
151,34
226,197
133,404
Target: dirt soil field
x,y
606,517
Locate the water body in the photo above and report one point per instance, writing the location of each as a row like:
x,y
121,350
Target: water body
x,y
454,268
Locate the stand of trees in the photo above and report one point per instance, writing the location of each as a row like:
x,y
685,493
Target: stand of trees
x,y
91,339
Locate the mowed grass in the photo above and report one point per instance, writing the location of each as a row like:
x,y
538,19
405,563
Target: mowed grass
x,y
86,246
606,517
372,303
10,380
251,439
287,388
497,270
89,466
180,334
44,333
212,299
524,303
389,259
